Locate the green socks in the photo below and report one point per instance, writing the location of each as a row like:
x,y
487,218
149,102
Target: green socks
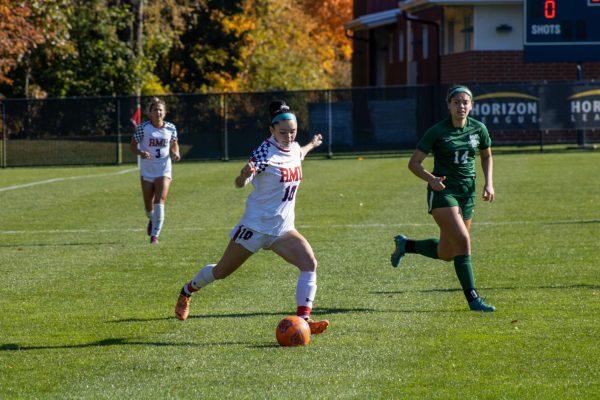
x,y
427,247
464,272
462,263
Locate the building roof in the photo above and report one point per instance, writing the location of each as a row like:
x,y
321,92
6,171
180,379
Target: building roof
x,y
374,20
412,4
388,17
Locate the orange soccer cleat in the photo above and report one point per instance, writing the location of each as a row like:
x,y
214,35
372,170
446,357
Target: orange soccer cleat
x,y
182,309
317,327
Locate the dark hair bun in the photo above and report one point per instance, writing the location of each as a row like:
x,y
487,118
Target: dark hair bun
x,y
278,107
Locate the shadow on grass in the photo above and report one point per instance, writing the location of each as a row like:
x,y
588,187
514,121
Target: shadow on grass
x,y
583,221
117,342
265,346
547,149
21,246
491,289
320,311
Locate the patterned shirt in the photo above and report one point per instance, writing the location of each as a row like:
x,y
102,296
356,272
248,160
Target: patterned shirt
x,y
155,141
278,173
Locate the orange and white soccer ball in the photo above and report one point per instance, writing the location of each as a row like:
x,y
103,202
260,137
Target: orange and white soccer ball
x,y
293,331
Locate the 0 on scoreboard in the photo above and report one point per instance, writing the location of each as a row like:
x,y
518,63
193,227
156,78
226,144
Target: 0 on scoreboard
x,y
562,30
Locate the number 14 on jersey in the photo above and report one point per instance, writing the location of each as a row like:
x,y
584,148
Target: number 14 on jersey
x,y
461,159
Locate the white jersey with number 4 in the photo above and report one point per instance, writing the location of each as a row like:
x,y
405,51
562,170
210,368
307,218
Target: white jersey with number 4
x,y
157,142
278,173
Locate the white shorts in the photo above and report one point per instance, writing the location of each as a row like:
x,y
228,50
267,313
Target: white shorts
x,y
152,170
252,240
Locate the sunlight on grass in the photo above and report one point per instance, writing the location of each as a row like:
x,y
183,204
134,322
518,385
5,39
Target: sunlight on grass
x,y
87,304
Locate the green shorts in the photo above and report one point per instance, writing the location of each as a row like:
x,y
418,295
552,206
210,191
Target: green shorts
x,y
456,194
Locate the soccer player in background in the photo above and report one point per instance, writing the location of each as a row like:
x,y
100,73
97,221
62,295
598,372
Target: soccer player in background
x,y
268,222
153,141
451,189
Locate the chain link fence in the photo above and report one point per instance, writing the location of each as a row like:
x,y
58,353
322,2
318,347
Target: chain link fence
x,y
75,131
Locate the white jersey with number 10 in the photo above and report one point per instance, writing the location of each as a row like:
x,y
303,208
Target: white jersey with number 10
x,y
278,173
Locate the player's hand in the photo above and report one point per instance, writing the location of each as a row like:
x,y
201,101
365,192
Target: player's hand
x,y
488,193
145,155
317,140
248,170
245,173
176,157
436,183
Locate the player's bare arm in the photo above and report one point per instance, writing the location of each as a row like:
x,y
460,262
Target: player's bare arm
x,y
133,146
315,142
242,179
487,164
175,150
415,165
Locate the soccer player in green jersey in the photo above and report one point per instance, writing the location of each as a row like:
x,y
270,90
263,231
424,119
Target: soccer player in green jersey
x,y
451,189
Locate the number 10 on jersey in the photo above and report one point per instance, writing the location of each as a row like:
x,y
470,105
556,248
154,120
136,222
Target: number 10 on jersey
x,y
290,191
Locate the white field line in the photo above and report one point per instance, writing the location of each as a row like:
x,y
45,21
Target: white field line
x,y
308,226
25,185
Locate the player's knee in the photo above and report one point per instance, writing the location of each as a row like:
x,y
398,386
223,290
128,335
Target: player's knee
x,y
310,265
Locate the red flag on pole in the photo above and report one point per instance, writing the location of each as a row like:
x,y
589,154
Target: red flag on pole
x,y
136,118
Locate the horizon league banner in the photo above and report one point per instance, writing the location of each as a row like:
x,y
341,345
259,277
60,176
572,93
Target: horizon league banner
x,y
552,106
507,107
571,106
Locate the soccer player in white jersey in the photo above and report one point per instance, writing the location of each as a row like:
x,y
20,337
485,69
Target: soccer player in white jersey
x,y
153,141
268,223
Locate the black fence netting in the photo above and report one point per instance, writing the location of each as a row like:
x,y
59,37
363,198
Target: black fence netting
x,y
230,125
59,131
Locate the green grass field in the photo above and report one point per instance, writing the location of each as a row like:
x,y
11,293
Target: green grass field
x,y
86,305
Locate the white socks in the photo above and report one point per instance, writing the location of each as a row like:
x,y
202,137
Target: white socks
x,y
306,289
158,217
203,278
149,214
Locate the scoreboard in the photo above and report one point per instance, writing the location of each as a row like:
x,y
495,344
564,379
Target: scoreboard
x,y
562,30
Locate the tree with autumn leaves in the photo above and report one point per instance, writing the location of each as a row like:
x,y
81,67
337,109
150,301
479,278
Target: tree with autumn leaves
x,y
86,48
297,45
18,36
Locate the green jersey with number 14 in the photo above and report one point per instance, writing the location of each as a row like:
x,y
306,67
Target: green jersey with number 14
x,y
454,149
